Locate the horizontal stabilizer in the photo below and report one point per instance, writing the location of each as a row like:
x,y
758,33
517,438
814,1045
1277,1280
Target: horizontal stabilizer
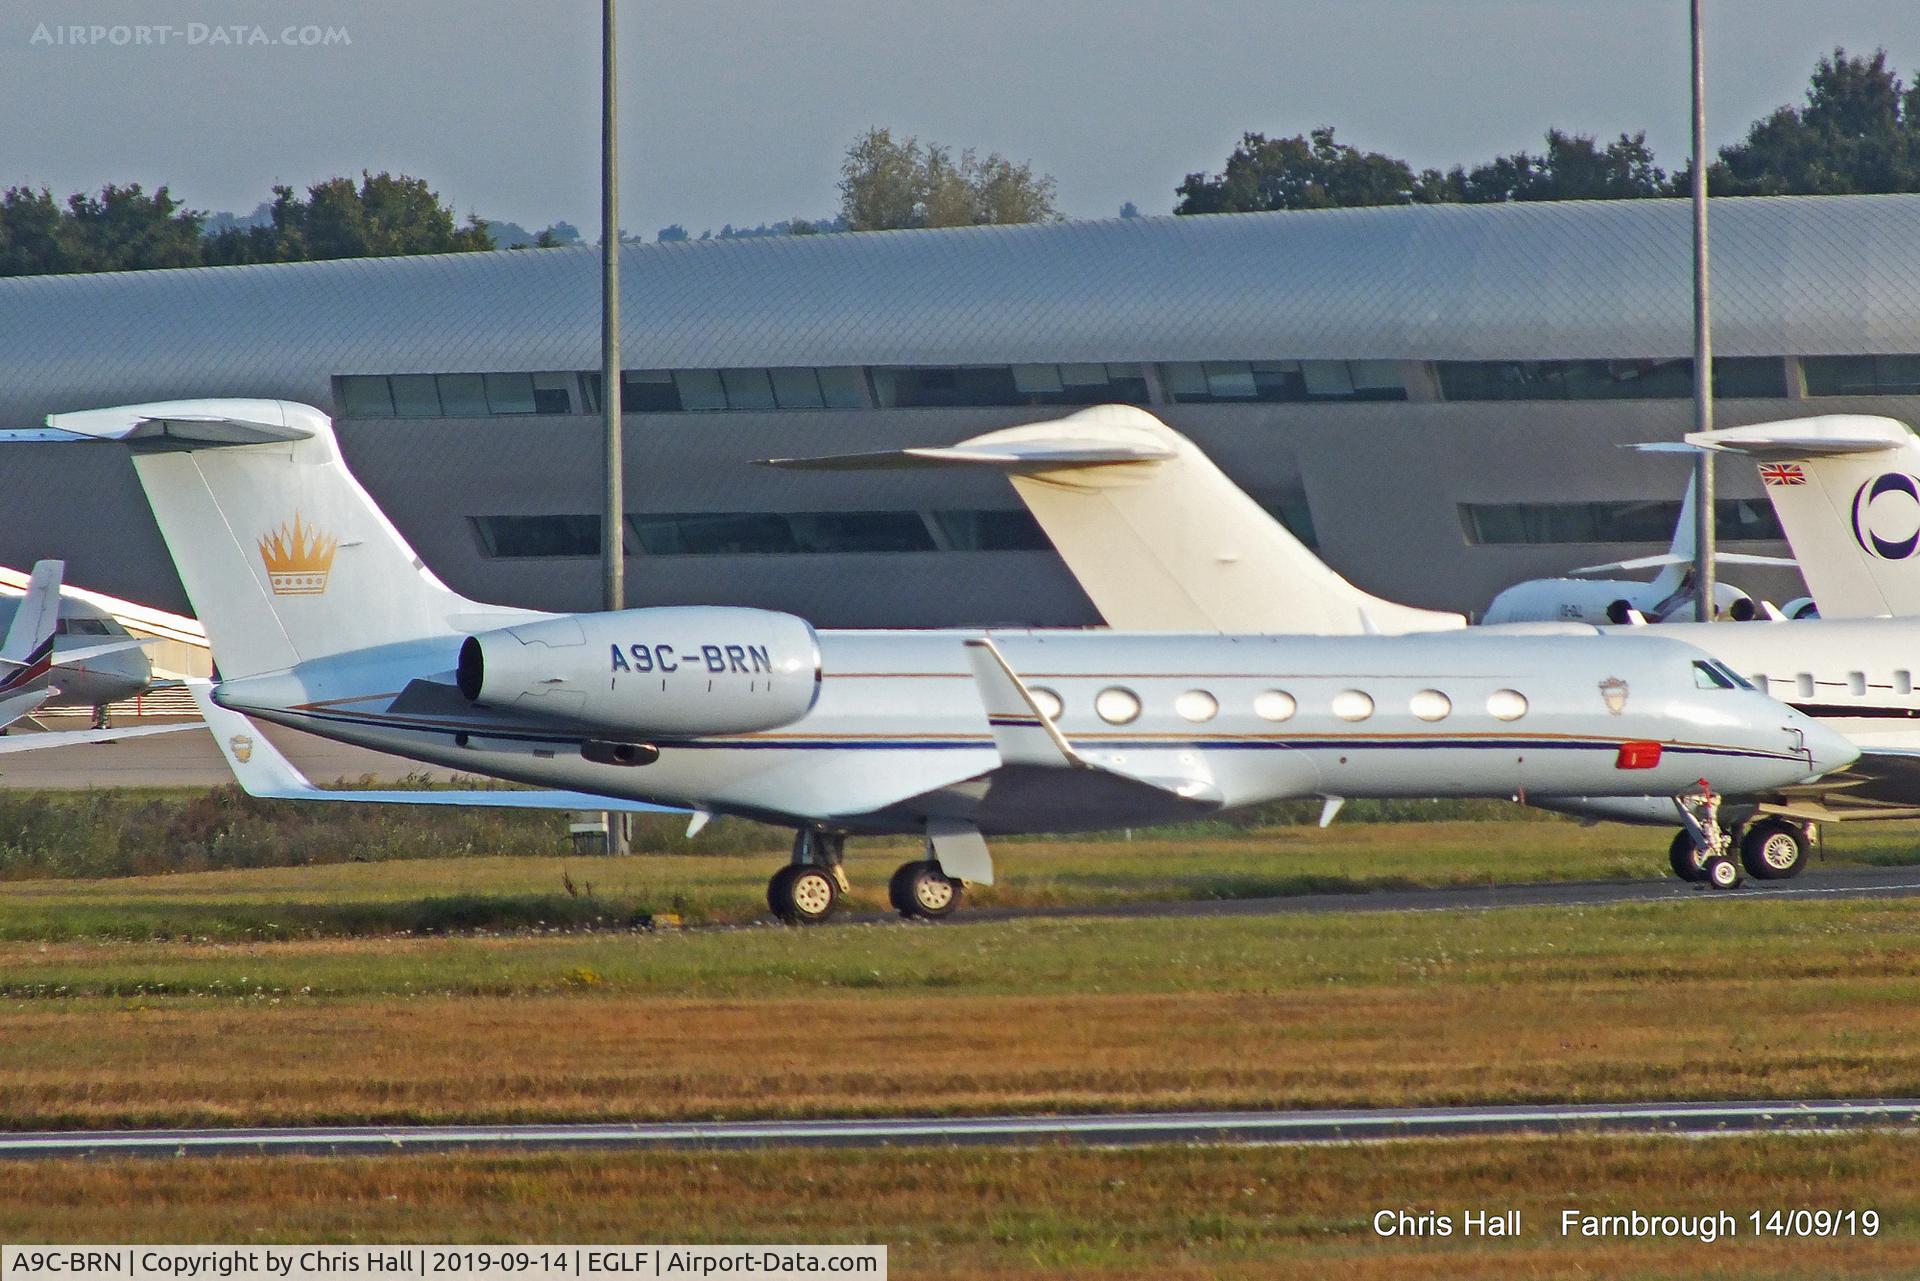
x,y
85,737
203,422
1668,558
263,771
1031,453
1827,436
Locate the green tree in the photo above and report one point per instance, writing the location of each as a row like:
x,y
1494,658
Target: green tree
x,y
1574,167
1310,171
886,184
384,216
1858,132
30,241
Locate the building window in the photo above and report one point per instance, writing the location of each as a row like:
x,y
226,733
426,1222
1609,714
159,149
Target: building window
x,y
361,396
463,395
1861,375
518,537
779,533
944,386
1632,521
1751,377
415,396
1293,512
1012,530
1228,381
509,393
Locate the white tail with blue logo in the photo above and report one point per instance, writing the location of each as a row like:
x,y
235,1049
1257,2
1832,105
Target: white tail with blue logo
x,y
1847,490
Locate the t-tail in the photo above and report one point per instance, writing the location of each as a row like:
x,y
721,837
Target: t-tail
x,y
26,654
1846,488
1158,537
283,563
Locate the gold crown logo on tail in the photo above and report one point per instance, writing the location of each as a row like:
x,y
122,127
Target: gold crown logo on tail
x,y
298,558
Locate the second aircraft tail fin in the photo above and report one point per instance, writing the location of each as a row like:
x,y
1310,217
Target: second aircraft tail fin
x,y
1846,488
1158,536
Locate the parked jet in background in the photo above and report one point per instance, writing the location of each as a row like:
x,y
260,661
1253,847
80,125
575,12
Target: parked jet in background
x,y
322,618
1668,597
35,670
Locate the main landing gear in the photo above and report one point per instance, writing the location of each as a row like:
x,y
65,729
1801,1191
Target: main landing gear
x,y
1767,849
807,890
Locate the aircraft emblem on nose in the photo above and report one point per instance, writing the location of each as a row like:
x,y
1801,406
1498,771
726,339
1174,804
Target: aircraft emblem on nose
x,y
1613,691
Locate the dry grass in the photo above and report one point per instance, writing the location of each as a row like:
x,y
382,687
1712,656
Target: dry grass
x,y
1220,1017
1167,1212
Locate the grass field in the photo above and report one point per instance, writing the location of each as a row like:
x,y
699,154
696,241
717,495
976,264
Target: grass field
x,y
1698,998
453,894
1169,1212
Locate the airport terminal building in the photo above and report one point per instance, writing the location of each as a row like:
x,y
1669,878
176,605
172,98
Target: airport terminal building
x,y
1434,396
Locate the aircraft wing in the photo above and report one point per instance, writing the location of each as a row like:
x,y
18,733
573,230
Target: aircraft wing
x,y
14,706
81,737
263,771
1884,783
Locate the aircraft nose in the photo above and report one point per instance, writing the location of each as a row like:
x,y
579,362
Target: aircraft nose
x,y
1829,749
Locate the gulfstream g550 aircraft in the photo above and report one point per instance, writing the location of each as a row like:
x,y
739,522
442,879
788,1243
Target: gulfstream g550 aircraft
x,y
323,619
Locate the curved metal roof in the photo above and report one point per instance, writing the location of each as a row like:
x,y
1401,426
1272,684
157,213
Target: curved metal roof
x,y
1791,275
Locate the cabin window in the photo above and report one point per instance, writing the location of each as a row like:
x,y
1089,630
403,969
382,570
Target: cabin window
x,y
1430,705
1117,706
1506,704
1197,705
1048,702
1903,682
1856,683
1803,685
1274,705
1352,705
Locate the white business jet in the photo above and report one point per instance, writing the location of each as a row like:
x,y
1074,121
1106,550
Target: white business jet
x,y
322,618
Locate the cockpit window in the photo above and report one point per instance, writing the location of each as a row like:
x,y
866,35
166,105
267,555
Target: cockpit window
x,y
1710,676
81,627
1739,681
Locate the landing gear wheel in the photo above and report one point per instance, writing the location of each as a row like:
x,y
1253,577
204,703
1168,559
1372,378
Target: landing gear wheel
x,y
1773,851
1685,859
1722,872
921,889
802,894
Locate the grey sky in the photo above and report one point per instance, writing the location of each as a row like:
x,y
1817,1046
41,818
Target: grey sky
x,y
738,110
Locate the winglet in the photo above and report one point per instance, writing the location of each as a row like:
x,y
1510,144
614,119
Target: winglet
x,y
1022,731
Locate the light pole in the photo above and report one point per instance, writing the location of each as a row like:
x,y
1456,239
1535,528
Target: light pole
x,y
1703,524
613,552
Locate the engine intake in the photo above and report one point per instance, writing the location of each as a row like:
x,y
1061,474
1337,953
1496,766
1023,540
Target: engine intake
x,y
662,672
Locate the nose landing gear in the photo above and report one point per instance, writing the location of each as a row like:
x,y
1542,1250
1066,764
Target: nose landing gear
x,y
1702,849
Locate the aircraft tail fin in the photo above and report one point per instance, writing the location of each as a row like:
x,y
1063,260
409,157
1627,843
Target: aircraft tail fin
x,y
1157,535
283,554
26,653
1846,488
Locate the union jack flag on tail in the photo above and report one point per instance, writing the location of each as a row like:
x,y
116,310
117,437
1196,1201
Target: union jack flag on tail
x,y
1782,474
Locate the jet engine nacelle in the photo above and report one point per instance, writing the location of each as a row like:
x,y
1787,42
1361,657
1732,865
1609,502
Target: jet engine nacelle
x,y
664,672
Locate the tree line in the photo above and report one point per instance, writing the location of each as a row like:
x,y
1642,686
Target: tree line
x,y
1858,130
